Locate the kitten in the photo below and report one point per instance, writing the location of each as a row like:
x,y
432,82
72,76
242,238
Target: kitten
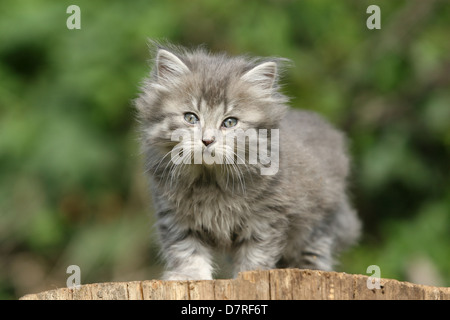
x,y
295,215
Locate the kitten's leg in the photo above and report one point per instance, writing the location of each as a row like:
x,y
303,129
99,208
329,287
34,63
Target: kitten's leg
x,y
260,250
186,257
335,233
317,252
188,260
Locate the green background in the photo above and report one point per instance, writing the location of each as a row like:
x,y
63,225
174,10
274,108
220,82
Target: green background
x,y
72,189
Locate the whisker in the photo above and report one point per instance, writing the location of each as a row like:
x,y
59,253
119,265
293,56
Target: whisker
x,y
172,164
177,167
176,148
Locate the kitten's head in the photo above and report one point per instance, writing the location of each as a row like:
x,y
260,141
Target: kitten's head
x,y
206,95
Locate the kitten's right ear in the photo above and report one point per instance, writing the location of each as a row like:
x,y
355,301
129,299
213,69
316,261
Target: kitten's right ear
x,y
169,66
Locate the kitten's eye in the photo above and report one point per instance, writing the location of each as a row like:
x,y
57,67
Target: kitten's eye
x,y
229,122
190,118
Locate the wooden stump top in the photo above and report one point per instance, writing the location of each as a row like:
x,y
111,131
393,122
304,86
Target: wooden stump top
x,y
278,284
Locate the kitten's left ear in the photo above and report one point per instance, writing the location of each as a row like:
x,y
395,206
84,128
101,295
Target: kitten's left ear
x,y
263,75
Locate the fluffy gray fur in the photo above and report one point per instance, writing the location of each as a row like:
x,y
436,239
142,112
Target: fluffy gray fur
x,y
299,217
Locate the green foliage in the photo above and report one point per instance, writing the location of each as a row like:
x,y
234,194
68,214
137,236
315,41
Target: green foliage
x,y
72,189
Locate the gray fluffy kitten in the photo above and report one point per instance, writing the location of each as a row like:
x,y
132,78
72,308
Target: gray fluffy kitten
x,y
299,216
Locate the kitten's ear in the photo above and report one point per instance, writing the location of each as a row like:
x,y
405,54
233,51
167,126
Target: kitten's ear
x,y
169,66
263,75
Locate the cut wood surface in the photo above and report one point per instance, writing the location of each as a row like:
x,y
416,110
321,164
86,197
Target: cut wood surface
x,y
278,284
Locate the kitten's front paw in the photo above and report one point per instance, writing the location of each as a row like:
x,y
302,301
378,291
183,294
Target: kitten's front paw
x,y
172,275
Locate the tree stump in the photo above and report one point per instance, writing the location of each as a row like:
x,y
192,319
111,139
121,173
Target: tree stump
x,y
278,284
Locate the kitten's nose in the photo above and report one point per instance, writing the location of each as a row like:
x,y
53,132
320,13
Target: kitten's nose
x,y
207,142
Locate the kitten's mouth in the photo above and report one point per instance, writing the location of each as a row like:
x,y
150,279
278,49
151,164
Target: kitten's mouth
x,y
209,152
